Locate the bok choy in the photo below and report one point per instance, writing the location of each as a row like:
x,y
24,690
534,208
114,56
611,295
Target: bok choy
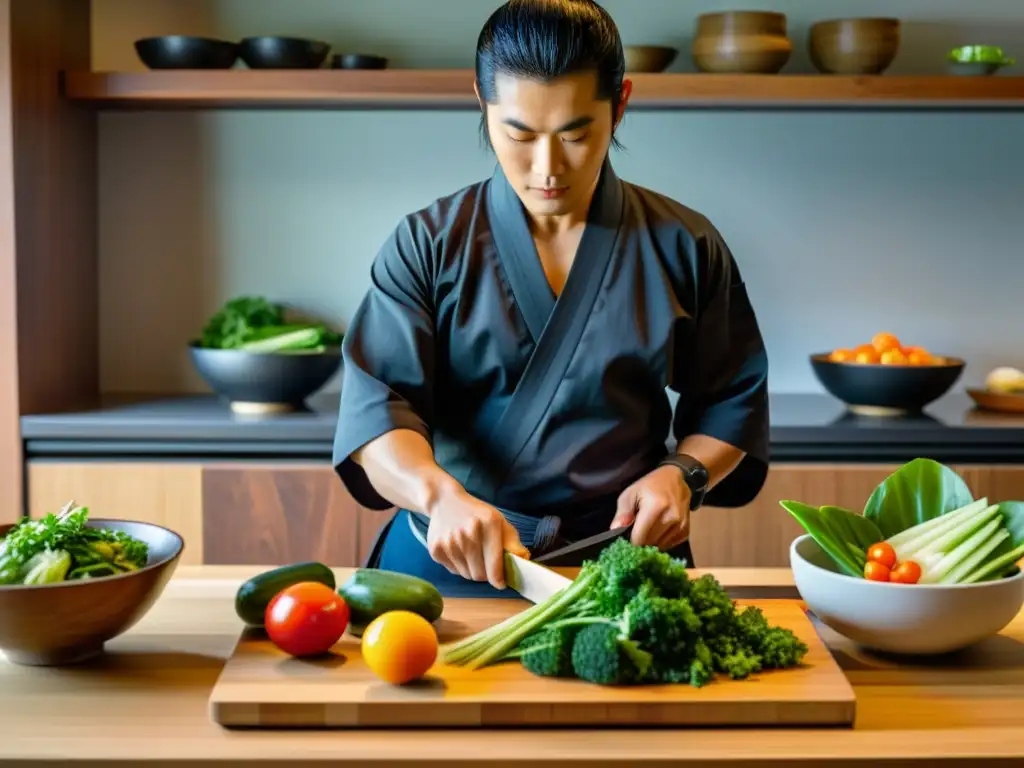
x,y
920,525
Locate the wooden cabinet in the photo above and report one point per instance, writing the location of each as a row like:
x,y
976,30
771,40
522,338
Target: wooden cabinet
x,y
759,534
228,513
257,513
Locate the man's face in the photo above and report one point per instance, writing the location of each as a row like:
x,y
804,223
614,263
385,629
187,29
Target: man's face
x,y
551,139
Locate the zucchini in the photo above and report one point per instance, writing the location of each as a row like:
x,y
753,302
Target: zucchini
x,y
370,592
254,595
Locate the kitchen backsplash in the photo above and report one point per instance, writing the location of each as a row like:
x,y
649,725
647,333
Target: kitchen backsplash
x,y
844,224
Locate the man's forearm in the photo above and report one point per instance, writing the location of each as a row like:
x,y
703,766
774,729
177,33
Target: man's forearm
x,y
719,457
400,465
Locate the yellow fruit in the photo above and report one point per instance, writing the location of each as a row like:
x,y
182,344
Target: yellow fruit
x,y
399,646
893,357
841,356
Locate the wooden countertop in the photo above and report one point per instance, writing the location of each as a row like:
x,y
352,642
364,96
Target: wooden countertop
x,y
147,701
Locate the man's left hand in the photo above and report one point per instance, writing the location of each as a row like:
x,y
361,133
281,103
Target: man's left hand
x,y
658,505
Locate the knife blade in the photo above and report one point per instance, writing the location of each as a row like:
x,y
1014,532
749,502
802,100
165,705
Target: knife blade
x,y
573,555
533,581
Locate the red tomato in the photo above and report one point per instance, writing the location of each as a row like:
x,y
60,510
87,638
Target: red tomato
x,y
907,572
883,553
306,619
874,571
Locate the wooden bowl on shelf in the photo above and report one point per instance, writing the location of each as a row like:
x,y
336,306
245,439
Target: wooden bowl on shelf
x,y
649,58
735,42
865,46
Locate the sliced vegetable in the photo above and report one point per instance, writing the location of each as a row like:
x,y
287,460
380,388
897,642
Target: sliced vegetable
x,y
399,647
306,619
370,592
256,324
254,595
844,535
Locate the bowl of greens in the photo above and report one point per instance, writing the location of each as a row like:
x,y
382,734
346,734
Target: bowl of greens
x,y
252,354
69,584
924,568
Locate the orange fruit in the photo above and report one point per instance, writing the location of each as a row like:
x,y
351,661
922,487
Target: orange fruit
x,y
842,356
918,356
399,646
885,341
893,357
865,353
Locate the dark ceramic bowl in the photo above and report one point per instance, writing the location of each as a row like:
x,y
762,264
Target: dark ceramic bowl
x,y
271,52
877,389
185,52
70,621
257,383
358,61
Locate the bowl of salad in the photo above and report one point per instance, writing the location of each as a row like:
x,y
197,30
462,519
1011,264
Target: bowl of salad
x,y
923,569
263,360
69,584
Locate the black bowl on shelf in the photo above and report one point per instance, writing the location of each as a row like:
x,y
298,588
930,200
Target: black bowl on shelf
x,y
279,52
259,383
358,61
886,390
186,52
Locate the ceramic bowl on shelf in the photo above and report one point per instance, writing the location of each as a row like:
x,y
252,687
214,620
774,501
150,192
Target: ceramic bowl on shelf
x,y
258,383
280,52
978,60
859,46
186,52
69,622
358,61
877,389
911,619
648,58
751,42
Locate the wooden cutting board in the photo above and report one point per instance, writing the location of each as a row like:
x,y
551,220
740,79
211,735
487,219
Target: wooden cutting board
x,y
262,687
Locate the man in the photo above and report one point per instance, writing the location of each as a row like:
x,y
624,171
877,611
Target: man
x,y
505,376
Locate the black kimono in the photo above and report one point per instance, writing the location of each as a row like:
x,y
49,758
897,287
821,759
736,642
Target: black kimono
x,y
545,407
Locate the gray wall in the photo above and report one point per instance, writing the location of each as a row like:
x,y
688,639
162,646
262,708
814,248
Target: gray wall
x,y
844,224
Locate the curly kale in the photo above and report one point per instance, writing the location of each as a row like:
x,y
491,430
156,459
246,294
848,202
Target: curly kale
x,y
634,616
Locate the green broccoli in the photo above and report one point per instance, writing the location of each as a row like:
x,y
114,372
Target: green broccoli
x,y
634,615
602,654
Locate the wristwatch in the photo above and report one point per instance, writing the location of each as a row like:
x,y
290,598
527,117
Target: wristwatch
x,y
695,474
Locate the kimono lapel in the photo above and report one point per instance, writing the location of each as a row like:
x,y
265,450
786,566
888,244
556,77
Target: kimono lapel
x,y
556,324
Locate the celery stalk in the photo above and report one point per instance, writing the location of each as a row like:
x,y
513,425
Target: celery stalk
x,y
898,540
960,551
995,568
946,539
977,557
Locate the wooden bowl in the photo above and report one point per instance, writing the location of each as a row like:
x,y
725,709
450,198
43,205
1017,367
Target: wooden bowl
x,y
69,622
854,46
752,42
649,58
875,389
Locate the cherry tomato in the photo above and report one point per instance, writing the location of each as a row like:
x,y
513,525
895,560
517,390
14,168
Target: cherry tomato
x,y
874,571
883,553
399,646
306,619
907,572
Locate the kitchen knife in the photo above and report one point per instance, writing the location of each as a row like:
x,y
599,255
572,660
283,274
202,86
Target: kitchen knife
x,y
573,555
533,581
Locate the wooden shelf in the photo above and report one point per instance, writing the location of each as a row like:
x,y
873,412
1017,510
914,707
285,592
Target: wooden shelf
x,y
453,89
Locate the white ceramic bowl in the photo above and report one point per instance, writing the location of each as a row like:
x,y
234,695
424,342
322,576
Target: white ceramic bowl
x,y
918,619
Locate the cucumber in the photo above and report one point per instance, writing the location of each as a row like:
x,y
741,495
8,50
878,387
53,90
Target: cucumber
x,y
254,595
370,592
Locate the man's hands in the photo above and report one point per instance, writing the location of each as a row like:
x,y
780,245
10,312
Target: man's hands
x,y
658,505
470,537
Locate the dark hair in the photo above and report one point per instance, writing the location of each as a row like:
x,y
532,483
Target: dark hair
x,y
547,39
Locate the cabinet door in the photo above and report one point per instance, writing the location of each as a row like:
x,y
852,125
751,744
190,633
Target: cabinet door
x,y
276,514
164,493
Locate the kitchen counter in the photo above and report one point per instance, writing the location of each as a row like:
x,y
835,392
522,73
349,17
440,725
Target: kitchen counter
x,y
146,701
805,427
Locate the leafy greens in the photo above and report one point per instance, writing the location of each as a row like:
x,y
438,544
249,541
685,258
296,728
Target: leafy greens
x,y
61,547
254,323
919,491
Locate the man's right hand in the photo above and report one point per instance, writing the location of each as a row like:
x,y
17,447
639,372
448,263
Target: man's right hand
x,y
470,537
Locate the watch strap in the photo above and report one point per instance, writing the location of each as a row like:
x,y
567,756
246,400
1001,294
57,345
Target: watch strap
x,y
695,474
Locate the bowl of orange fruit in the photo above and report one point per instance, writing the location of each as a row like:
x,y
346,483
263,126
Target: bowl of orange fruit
x,y
886,377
